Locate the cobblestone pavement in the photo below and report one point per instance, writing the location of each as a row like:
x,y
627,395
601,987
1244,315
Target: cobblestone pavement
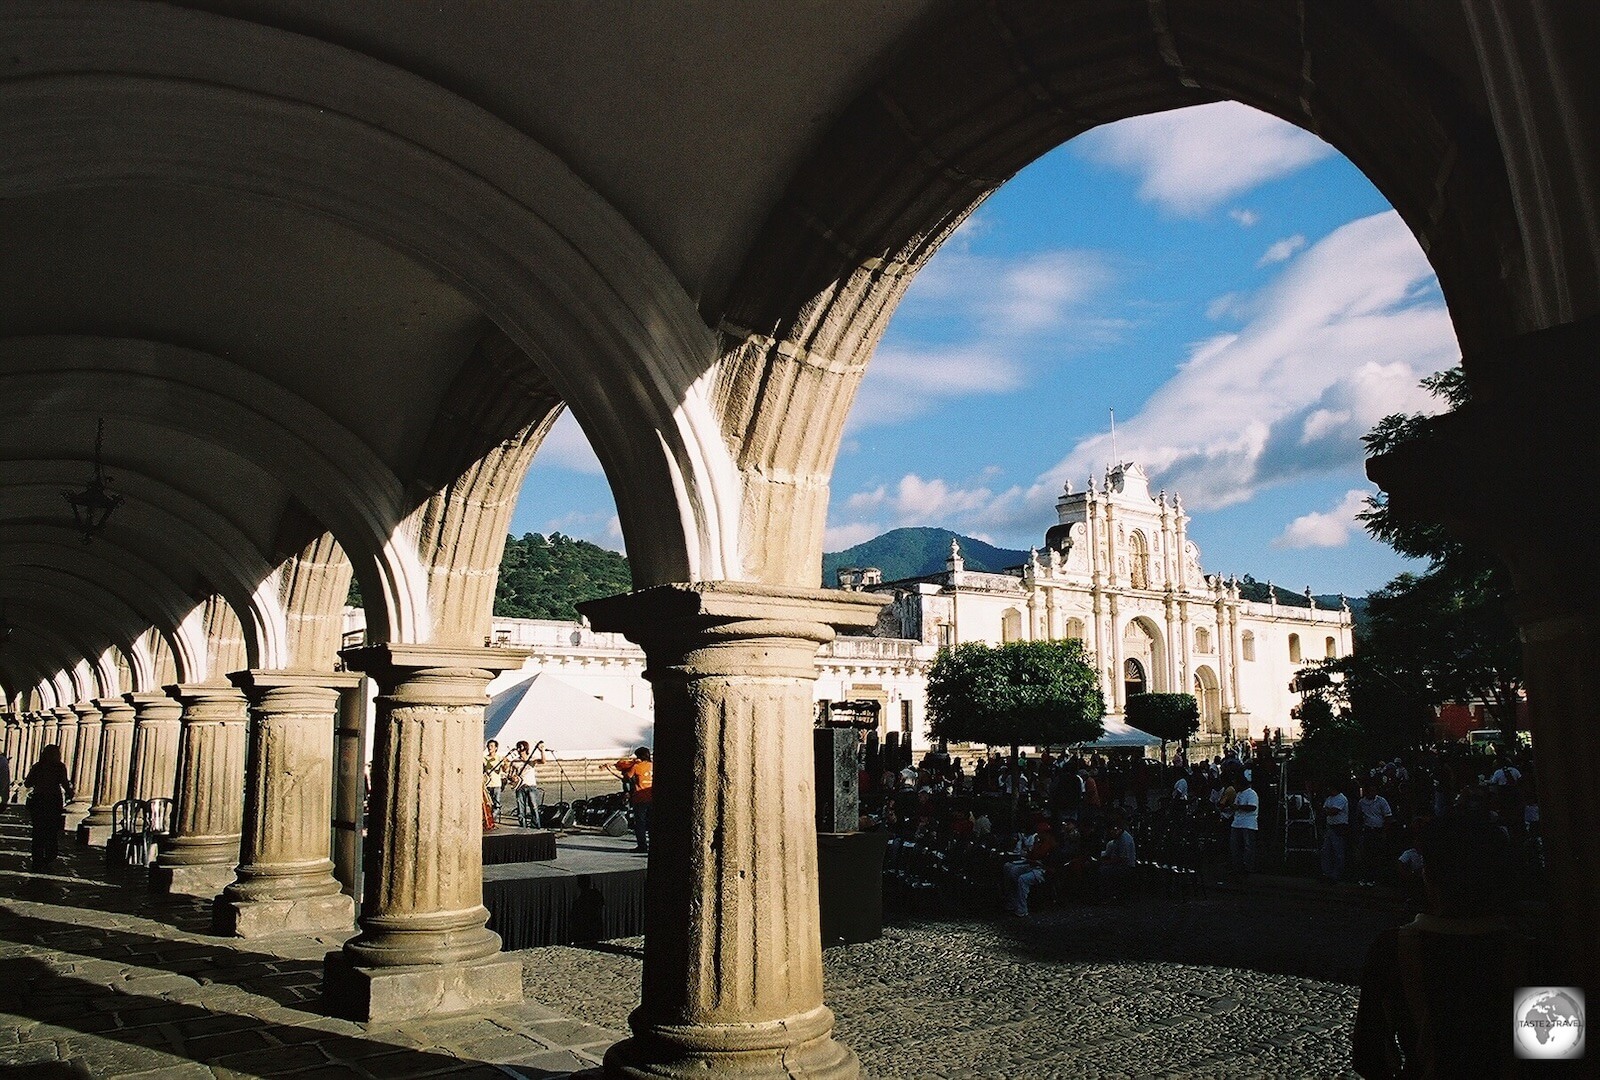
x,y
98,979
1240,982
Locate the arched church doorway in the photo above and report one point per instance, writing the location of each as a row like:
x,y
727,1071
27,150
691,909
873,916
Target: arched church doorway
x,y
1133,679
1142,652
1208,693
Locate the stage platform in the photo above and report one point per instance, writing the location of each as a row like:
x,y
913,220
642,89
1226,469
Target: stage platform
x,y
593,890
510,844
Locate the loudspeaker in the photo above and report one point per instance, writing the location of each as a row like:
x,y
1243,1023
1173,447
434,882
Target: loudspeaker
x,y
838,782
616,824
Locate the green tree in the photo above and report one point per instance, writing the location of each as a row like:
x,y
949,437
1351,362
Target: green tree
x,y
546,577
1169,717
1443,635
1026,693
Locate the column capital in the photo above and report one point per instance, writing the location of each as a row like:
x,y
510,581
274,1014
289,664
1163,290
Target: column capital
x,y
383,661
192,694
86,711
155,705
711,628
114,710
255,680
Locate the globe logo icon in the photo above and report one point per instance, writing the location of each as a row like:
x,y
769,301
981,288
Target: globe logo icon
x,y
1548,1022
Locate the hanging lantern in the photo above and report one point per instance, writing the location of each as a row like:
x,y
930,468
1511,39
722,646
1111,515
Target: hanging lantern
x,y
92,506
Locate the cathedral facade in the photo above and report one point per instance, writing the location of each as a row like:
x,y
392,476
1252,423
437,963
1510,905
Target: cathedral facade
x,y
1119,572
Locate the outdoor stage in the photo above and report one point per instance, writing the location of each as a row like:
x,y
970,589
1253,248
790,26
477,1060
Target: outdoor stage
x,y
593,890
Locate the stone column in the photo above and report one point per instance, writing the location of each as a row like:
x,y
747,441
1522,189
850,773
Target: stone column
x,y
285,880
200,857
157,726
52,726
67,737
423,946
1119,685
85,763
733,955
111,771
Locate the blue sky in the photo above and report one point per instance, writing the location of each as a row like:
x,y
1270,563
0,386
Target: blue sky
x,y
1235,289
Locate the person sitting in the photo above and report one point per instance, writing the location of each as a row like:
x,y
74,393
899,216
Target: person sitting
x,y
1434,992
1115,868
1023,873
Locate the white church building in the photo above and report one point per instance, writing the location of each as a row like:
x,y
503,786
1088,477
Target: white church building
x,y
1119,572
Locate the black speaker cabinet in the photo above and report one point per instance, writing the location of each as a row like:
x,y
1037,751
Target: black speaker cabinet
x,y
838,790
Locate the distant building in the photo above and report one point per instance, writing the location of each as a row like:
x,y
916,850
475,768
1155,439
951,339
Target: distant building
x,y
1119,572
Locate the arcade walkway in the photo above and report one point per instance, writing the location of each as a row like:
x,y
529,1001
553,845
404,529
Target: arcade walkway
x,y
100,980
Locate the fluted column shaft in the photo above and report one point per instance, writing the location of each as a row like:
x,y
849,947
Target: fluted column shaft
x,y
156,729
112,770
52,727
423,886
67,737
208,817
85,762
733,948
285,878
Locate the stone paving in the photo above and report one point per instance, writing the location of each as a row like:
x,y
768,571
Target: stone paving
x,y
97,979
1241,982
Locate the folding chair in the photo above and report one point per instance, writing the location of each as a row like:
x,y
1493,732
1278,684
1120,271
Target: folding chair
x,y
130,822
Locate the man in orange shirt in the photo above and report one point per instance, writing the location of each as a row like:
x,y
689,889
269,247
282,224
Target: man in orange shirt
x,y
636,773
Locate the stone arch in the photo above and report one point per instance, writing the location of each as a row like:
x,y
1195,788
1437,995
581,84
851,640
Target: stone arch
x,y
1208,693
291,119
985,92
1142,640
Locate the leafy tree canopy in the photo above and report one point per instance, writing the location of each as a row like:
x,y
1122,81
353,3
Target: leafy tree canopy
x,y
1035,693
1439,636
545,577
1169,717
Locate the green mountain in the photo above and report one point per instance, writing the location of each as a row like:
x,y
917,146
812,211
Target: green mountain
x,y
904,553
544,577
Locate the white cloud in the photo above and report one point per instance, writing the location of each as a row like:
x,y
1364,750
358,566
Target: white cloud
x,y
1025,294
1281,251
839,537
598,527
1189,161
1003,305
1337,341
1244,217
568,448
1327,529
902,382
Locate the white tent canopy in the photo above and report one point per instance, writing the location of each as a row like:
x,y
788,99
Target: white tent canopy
x,y
1119,735
571,723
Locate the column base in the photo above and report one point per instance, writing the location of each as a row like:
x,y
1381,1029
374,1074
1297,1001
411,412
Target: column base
x,y
74,819
204,880
92,834
385,994
264,918
776,1049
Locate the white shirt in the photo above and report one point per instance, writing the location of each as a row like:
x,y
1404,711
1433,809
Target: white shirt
x,y
1337,808
528,777
1510,774
1375,812
1246,818
1180,790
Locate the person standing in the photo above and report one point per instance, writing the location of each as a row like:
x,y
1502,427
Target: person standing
x,y
1242,836
494,777
637,772
49,791
528,794
5,780
1335,835
1375,814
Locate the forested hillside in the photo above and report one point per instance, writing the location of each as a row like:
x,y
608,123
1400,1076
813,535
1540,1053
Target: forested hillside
x,y
545,577
904,553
